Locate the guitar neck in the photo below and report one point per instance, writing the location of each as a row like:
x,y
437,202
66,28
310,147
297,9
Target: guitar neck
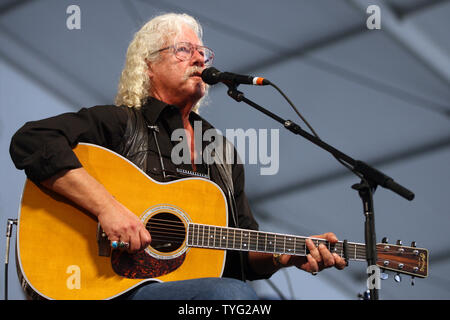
x,y
214,237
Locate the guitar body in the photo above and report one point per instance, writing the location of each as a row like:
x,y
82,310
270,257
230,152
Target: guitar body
x,y
57,245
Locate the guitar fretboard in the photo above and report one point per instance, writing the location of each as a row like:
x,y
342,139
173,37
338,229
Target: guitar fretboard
x,y
225,238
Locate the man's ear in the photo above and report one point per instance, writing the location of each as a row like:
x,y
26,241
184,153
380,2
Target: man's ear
x,y
149,69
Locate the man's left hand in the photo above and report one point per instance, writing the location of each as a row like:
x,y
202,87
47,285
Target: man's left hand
x,y
319,258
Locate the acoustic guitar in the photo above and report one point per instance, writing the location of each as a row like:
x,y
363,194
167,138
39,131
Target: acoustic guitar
x,y
62,252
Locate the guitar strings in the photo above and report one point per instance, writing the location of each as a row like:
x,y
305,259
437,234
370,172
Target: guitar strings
x,y
156,236
204,238
174,231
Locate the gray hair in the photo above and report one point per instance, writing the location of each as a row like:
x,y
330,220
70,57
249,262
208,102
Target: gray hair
x,y
134,85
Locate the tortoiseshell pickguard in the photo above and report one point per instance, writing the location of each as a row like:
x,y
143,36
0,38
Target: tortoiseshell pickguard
x,y
141,265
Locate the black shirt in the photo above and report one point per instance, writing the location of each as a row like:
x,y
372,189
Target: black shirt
x,y
43,148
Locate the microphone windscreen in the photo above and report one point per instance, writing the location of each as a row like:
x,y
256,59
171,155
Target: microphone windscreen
x,y
210,75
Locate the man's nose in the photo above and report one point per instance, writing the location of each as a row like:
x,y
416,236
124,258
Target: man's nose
x,y
198,59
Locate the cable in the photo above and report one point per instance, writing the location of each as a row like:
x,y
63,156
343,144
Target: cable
x,y
274,287
288,280
295,109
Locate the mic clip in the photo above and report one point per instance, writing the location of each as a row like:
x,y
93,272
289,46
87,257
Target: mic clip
x,y
233,92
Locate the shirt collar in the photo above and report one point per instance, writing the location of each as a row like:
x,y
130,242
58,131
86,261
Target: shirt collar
x,y
153,108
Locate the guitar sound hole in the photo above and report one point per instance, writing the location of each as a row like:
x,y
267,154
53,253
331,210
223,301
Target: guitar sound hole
x,y
167,232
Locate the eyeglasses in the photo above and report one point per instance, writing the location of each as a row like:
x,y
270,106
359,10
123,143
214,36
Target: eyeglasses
x,y
185,50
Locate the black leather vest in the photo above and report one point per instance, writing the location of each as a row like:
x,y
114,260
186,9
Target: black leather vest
x,y
135,142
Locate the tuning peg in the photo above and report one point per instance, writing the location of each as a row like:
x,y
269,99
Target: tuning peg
x,y
385,240
399,242
413,244
398,278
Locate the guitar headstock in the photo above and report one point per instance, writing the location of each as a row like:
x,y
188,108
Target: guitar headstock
x,y
408,260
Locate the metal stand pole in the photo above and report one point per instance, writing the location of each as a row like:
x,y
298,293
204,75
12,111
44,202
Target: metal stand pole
x,y
9,226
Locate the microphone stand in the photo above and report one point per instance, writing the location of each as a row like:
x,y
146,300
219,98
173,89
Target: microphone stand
x,y
9,226
370,177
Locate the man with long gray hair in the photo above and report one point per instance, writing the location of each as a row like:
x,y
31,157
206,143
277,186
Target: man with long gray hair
x,y
160,91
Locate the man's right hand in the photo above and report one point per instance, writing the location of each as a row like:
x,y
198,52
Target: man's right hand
x,y
120,224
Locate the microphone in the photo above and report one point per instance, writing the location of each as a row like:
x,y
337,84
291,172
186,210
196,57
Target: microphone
x,y
212,76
